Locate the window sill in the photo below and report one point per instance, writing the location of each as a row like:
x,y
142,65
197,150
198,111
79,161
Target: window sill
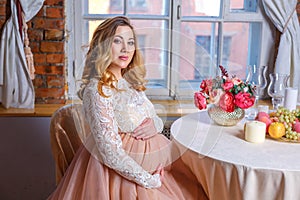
x,y
40,110
164,108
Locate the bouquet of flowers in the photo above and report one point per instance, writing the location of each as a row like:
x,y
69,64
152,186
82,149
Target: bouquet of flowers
x,y
225,92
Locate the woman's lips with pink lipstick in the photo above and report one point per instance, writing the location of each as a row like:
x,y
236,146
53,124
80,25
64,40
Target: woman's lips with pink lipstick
x,y
124,58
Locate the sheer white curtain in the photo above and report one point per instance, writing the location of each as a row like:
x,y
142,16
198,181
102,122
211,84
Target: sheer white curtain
x,y
16,88
283,14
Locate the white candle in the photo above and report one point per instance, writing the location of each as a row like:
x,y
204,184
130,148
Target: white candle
x,y
255,131
290,98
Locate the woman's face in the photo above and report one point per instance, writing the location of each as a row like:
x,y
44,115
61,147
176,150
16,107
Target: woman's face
x,y
123,48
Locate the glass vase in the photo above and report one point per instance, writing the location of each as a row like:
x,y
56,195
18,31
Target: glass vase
x,y
223,118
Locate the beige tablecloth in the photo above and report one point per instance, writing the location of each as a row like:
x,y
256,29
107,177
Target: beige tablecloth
x,y
231,168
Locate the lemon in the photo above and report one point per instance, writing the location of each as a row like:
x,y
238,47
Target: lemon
x,y
276,130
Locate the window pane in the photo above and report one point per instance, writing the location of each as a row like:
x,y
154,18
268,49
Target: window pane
x,y
198,52
241,46
200,7
153,43
236,48
91,27
195,53
236,4
105,6
145,7
133,6
243,5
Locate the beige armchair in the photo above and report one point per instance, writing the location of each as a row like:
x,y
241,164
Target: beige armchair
x,y
67,131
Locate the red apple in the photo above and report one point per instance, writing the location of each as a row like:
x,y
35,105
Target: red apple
x,y
296,127
264,117
262,114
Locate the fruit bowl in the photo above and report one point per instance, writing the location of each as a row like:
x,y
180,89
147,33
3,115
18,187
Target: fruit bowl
x,y
284,139
282,125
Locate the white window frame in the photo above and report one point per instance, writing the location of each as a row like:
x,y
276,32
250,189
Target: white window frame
x,y
75,55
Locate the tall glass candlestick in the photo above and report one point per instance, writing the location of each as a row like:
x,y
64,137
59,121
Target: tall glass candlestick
x,y
257,77
276,88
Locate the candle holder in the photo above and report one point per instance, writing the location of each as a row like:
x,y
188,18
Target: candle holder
x,y
257,77
276,88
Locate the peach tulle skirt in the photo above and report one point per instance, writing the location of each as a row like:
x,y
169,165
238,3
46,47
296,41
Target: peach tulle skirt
x,y
88,179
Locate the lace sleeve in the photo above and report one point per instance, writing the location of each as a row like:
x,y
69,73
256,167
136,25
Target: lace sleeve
x,y
99,113
159,125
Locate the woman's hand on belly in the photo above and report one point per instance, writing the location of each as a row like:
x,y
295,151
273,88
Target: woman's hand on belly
x,y
146,130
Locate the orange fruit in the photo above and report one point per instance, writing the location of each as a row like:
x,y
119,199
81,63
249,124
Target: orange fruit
x,y
276,130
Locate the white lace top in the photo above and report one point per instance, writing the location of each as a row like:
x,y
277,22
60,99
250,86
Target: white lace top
x,y
122,111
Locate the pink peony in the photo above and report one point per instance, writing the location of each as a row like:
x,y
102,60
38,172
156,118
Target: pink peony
x,y
203,85
226,102
244,100
226,92
227,85
206,86
199,100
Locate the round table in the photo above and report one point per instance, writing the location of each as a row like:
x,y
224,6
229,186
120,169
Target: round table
x,y
229,167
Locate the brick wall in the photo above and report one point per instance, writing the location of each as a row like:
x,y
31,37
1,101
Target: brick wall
x,y
298,9
46,33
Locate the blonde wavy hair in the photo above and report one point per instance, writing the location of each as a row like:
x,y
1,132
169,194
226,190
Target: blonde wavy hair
x,y
99,58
